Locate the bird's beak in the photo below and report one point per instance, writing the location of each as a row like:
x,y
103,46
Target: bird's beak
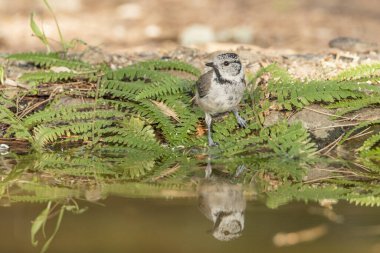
x,y
210,64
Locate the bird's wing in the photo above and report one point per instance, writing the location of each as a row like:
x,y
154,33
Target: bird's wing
x,y
204,83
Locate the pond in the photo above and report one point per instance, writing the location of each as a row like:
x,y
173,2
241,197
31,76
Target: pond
x,y
204,210
177,225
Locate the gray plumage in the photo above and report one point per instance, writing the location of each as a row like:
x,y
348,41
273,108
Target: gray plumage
x,y
221,89
224,204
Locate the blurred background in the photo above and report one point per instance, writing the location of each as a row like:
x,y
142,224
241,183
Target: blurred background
x,y
118,25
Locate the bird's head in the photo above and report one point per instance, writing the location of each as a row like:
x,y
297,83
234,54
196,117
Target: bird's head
x,y
227,66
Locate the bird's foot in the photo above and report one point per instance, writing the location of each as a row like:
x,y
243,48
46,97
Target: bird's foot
x,y
239,170
211,143
242,122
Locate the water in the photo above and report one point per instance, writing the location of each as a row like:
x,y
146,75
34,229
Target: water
x,y
185,205
177,225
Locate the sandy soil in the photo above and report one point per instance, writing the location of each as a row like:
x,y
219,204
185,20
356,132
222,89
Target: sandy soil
x,y
117,25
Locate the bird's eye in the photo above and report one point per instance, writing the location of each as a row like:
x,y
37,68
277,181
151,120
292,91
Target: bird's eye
x,y
226,63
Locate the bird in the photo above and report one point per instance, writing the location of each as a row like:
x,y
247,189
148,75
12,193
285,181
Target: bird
x,y
221,89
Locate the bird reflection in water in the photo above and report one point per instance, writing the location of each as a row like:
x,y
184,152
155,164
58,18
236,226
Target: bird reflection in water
x,y
224,204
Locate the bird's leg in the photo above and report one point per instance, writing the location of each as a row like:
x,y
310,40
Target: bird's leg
x,y
240,120
208,120
208,170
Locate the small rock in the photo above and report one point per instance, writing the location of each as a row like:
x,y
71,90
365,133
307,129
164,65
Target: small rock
x,y
353,45
273,118
152,31
4,148
319,123
197,34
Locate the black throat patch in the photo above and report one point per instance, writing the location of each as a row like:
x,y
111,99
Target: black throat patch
x,y
221,80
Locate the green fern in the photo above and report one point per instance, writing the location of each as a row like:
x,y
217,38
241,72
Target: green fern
x,y
351,105
168,65
52,76
364,71
47,60
291,141
289,92
358,127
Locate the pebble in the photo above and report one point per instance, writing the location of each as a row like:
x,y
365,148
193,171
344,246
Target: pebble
x,y
4,148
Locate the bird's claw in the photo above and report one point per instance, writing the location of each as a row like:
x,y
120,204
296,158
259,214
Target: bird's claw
x,y
242,122
211,143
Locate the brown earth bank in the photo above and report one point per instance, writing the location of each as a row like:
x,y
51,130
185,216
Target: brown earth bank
x,y
324,65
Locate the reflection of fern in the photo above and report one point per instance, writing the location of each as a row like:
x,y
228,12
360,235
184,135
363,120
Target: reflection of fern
x,y
288,192
43,193
365,200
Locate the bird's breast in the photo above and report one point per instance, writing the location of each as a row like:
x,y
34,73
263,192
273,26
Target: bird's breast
x,y
222,98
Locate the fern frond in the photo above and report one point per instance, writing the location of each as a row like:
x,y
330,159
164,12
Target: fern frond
x,y
287,192
164,88
69,114
291,141
47,60
17,127
120,89
364,200
347,106
370,143
43,135
132,135
358,127
51,76
290,92
168,65
359,72
130,74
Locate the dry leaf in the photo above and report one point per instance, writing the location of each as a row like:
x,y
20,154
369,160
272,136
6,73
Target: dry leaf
x,y
166,110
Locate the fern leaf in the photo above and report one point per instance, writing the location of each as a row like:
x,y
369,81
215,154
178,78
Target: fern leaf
x,y
359,72
168,65
168,87
47,60
358,127
51,76
347,106
365,200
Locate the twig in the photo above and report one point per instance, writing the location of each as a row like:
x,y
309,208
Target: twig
x,y
334,144
362,167
333,115
327,127
31,108
322,178
331,146
360,134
